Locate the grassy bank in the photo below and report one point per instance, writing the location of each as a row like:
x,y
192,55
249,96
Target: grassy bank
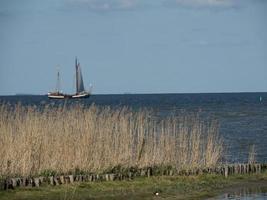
x,y
181,187
65,140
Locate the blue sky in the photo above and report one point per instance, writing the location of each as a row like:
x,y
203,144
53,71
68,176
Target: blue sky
x,y
136,46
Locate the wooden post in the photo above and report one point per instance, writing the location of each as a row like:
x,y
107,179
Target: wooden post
x,y
19,182
255,168
77,178
226,171
56,180
236,168
8,184
51,180
252,168
41,179
71,178
62,180
85,178
248,168
25,182
31,182
258,167
112,177
36,182
14,182
67,179
143,172
107,177
130,175
232,169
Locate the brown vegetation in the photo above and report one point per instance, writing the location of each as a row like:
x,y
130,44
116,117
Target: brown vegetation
x,y
96,139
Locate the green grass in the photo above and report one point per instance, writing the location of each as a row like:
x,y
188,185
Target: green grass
x,y
181,187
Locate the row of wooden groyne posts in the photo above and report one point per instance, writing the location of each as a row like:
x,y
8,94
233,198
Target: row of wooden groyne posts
x,y
129,174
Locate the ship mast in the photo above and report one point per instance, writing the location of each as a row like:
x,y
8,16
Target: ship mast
x,y
58,80
76,68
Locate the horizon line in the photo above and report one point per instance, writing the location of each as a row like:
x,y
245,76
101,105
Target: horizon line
x,y
141,93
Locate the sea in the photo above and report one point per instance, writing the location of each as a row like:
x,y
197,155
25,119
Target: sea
x,y
242,116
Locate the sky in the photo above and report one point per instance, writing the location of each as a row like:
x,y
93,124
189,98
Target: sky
x,y
134,46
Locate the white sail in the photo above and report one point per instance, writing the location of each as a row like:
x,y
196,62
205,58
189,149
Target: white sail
x,y
79,79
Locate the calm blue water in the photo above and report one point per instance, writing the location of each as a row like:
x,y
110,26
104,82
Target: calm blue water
x,y
242,116
246,193
256,196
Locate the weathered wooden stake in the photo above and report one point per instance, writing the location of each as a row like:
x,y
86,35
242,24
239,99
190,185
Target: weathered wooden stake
x,y
14,182
36,182
9,184
112,177
71,178
25,182
226,171
236,169
51,180
90,178
62,179
130,175
107,177
143,172
42,179
67,179
56,180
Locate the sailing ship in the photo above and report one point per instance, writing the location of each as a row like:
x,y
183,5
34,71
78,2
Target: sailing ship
x,y
80,90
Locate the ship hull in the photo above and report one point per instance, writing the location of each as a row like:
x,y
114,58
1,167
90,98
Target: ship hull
x,y
67,96
55,97
80,96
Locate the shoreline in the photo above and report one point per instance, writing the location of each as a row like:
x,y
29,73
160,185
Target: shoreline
x,y
175,187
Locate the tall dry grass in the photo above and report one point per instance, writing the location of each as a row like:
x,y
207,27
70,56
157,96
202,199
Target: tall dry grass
x,y
96,139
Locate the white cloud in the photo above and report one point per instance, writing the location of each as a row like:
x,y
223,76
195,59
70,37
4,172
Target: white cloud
x,y
105,5
202,3
111,5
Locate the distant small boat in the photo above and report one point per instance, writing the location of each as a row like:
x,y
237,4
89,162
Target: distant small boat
x,y
80,90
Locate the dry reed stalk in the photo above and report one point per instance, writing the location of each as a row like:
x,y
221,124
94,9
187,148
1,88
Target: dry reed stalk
x,y
97,139
252,154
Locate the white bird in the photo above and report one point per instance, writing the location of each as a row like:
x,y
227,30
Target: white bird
x,y
156,193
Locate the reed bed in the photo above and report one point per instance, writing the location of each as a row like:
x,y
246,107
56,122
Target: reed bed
x,y
97,139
